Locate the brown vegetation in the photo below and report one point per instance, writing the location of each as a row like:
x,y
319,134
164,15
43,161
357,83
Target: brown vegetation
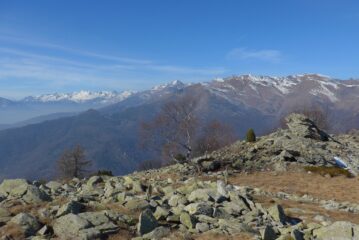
x,y
339,188
328,171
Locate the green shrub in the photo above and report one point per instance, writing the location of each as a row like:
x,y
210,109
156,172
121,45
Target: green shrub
x,y
251,136
180,158
104,173
331,171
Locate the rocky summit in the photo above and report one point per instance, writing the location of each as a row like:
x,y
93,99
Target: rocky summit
x,y
244,191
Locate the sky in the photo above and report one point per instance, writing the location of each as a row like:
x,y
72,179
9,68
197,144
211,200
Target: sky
x,y
70,45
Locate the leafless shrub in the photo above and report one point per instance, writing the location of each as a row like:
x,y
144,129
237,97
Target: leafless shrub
x,y
73,163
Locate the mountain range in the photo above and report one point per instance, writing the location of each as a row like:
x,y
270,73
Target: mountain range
x,y
33,109
110,133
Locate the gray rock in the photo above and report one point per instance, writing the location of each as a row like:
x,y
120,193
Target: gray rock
x,y
70,207
45,230
35,195
202,227
277,213
177,199
14,187
27,222
201,195
147,222
187,220
69,226
158,233
95,218
297,235
136,204
268,233
199,208
161,213
53,186
94,180
338,230
221,189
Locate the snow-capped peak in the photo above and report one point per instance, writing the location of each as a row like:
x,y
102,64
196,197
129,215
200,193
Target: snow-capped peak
x,y
175,83
81,97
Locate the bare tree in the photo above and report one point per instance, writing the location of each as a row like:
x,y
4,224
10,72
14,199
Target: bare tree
x,y
173,129
214,136
73,163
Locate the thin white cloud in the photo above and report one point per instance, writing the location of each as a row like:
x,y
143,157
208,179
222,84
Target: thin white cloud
x,y
267,55
81,52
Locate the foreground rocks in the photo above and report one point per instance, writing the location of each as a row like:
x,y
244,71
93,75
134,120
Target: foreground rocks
x,y
178,202
187,206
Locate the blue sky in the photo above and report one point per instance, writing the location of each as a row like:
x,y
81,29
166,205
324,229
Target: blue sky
x,y
69,45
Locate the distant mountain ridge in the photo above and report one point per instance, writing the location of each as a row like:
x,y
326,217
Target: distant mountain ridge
x,y
15,112
81,97
110,133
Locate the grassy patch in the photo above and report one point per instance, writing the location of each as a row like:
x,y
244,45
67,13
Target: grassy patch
x,y
331,171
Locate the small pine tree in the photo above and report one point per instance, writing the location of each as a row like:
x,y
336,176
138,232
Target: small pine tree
x,y
251,136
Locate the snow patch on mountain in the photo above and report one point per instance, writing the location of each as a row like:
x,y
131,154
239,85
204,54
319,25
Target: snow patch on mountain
x,y
173,84
81,97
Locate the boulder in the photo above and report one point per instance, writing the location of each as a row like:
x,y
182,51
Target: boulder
x,y
95,218
35,195
157,233
136,204
161,213
201,195
268,233
277,213
146,223
338,230
70,207
27,222
187,220
69,226
202,227
53,186
14,187
177,199
200,208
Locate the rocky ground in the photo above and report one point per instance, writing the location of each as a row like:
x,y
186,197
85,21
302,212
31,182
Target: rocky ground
x,y
258,190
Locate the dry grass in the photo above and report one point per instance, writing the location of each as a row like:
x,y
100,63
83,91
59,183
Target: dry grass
x,y
12,230
211,236
311,210
331,171
300,183
121,235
